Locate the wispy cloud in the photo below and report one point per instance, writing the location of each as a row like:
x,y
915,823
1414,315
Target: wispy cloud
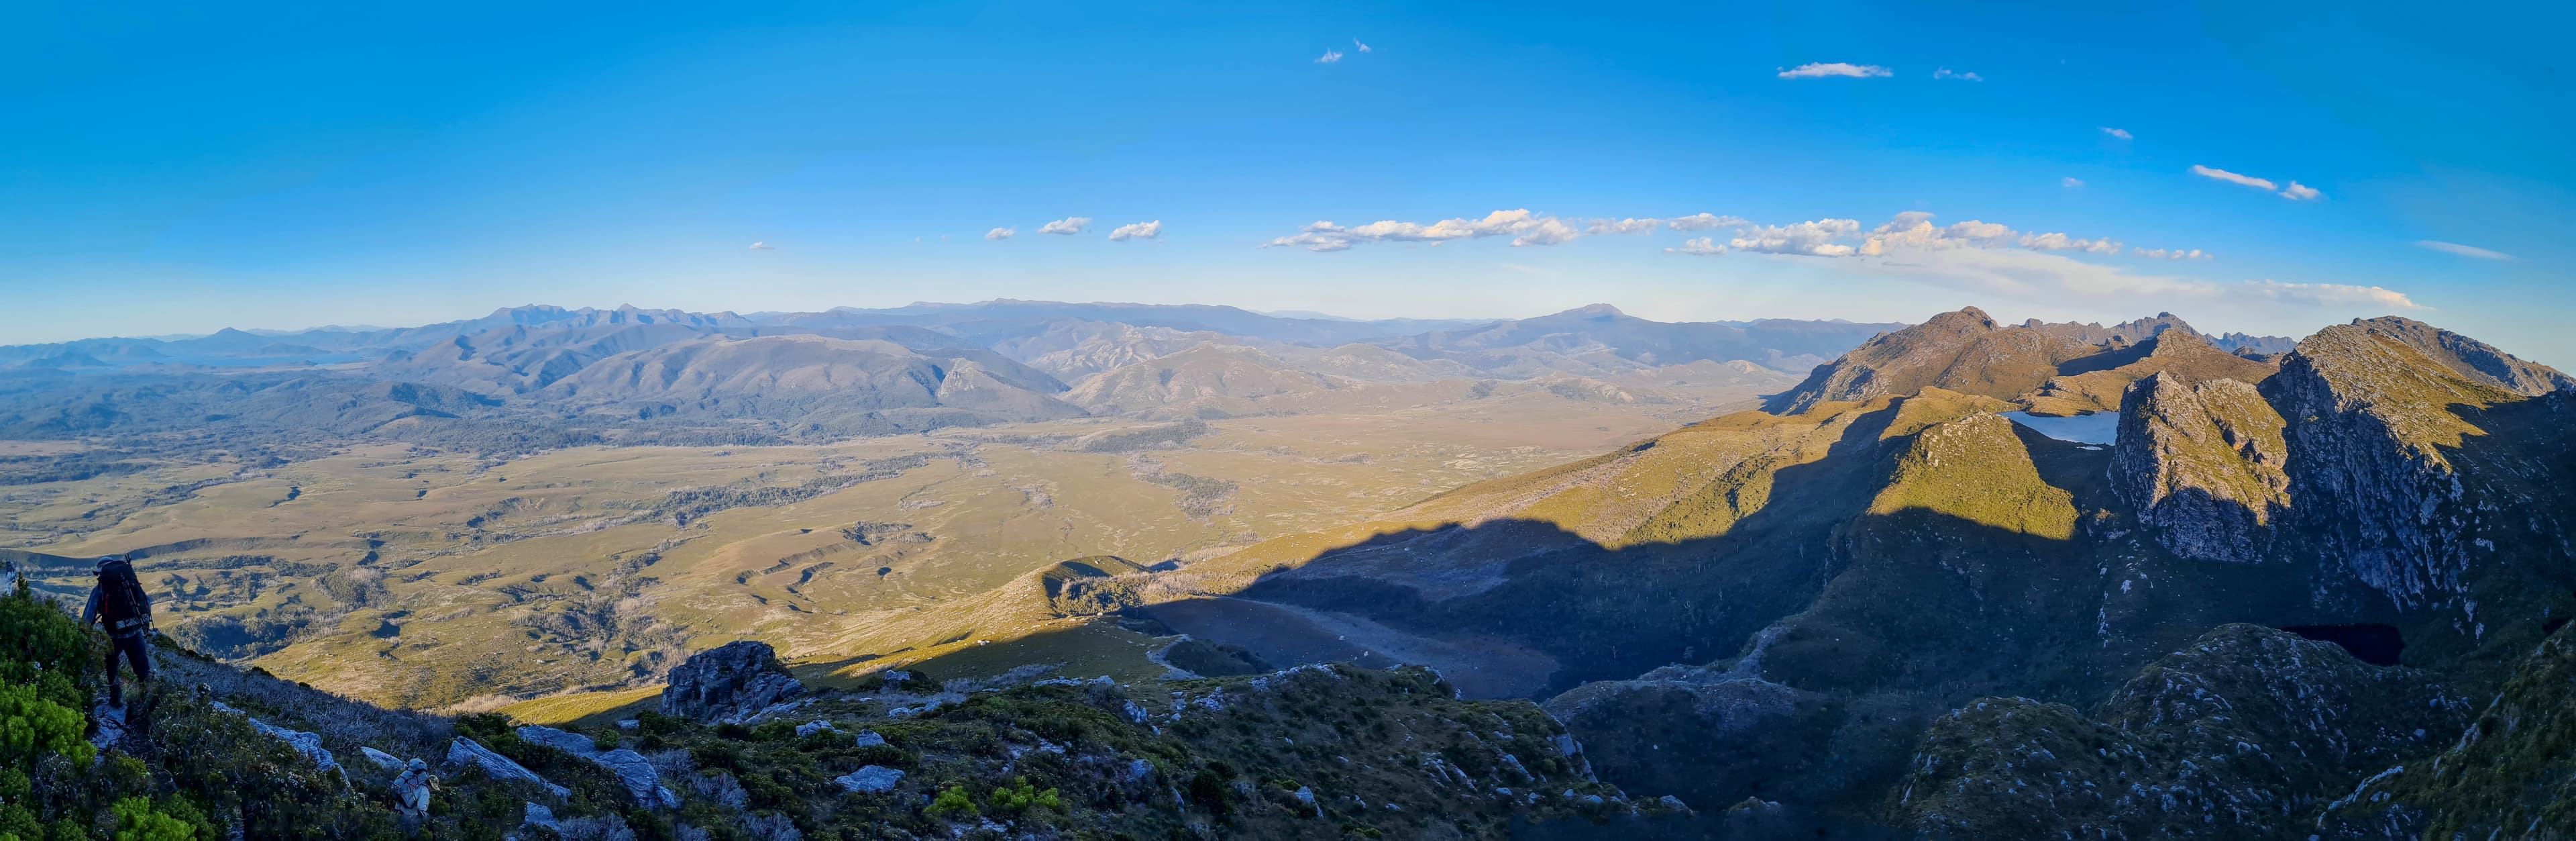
x,y
2233,178
2295,192
1908,231
2170,253
763,246
1701,247
1362,47
2058,279
1067,226
1001,233
1822,70
1524,227
2462,250
2062,242
2330,293
1140,230
2120,133
1329,57
1947,73
2070,182
1623,226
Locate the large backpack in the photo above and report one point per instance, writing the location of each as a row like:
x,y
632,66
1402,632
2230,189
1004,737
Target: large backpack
x,y
121,601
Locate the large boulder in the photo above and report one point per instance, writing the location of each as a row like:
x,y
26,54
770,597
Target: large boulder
x,y
729,683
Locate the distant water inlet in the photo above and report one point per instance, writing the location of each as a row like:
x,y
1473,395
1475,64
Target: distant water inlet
x,y
2101,428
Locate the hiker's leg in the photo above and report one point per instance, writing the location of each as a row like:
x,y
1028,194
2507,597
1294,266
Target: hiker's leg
x,y
115,690
138,653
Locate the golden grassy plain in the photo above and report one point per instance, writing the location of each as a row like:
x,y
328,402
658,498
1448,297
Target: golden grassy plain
x,y
439,579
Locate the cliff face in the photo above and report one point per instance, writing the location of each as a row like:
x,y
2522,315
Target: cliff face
x,y
2204,465
2373,421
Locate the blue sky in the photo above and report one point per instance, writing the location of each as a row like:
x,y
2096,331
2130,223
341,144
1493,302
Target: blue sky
x,y
173,169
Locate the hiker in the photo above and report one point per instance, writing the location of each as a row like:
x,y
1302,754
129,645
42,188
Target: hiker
x,y
120,603
411,790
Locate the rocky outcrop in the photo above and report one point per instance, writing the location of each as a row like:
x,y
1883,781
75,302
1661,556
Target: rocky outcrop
x,y
1710,735
308,744
633,771
2239,735
1961,351
729,683
2205,466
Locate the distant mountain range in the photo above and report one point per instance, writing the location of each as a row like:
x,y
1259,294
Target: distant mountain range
x,y
636,375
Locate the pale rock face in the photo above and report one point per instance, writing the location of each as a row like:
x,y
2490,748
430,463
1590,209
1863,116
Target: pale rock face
x,y
633,771
464,751
2205,466
729,683
2370,420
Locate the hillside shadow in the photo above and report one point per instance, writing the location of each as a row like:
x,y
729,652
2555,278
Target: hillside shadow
x,y
1886,620
1491,602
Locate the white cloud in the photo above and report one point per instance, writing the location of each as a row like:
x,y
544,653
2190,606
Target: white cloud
x,y
1328,57
1319,236
1001,233
1706,222
1914,229
1067,226
1910,231
2120,133
2062,242
1702,247
2330,293
1623,226
2070,182
1140,230
1524,227
1363,47
763,246
2232,178
1820,70
1947,73
1813,239
2171,253
2295,192
2462,250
